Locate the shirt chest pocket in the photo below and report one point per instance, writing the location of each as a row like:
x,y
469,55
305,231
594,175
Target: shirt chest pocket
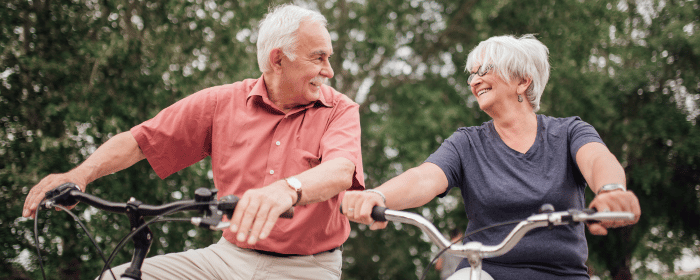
x,y
301,160
305,142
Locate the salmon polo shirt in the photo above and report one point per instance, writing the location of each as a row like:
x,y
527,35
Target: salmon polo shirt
x,y
253,144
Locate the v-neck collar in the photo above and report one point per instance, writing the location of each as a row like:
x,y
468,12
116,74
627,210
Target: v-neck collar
x,y
535,145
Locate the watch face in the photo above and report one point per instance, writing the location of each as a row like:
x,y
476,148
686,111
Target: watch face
x,y
294,182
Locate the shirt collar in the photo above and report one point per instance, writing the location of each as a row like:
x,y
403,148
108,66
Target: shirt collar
x,y
259,89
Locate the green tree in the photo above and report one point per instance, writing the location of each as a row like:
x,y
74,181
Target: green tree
x,y
601,53
75,73
649,71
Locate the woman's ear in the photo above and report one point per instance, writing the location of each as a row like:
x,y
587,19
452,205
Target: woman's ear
x,y
524,85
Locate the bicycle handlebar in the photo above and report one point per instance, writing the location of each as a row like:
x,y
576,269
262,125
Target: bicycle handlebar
x,y
475,252
65,196
470,249
205,202
69,194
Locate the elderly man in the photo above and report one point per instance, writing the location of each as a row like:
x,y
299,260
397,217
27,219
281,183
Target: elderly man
x,y
282,140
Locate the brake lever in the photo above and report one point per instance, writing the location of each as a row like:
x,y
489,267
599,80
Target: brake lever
x,y
224,225
60,195
226,205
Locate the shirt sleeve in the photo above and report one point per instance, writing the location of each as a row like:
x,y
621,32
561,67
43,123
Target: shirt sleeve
x,y
448,159
179,135
581,133
342,139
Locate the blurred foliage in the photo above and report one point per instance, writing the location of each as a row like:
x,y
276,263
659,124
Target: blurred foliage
x,y
75,73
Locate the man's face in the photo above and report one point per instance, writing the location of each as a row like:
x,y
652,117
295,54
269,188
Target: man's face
x,y
303,77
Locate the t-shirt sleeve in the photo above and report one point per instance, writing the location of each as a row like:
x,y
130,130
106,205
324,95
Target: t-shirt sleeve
x,y
342,139
179,135
447,157
581,133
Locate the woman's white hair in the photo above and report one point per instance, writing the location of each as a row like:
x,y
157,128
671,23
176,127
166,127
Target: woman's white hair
x,y
515,58
278,30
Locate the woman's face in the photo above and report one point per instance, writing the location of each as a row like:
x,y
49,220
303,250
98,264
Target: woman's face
x,y
492,92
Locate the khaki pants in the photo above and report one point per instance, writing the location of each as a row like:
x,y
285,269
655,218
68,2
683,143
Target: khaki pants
x,y
224,260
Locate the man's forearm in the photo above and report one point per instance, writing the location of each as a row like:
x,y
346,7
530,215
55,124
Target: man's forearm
x,y
118,153
326,180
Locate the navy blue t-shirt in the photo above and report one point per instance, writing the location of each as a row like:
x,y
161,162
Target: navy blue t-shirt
x,y
499,184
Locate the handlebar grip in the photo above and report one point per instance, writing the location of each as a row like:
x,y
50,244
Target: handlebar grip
x,y
593,216
227,204
288,214
378,213
61,195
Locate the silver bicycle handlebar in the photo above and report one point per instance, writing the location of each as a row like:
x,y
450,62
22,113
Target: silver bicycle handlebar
x,y
534,221
474,251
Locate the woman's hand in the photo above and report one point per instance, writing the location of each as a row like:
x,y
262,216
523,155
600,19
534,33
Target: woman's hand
x,y
357,206
622,201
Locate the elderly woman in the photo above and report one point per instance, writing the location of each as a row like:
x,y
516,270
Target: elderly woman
x,y
508,167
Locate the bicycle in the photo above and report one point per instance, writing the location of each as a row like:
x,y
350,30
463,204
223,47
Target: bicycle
x,y
205,202
475,252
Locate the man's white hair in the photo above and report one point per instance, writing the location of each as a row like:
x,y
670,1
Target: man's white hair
x,y
278,30
515,58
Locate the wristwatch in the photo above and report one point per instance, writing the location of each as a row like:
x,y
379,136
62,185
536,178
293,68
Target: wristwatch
x,y
295,184
611,187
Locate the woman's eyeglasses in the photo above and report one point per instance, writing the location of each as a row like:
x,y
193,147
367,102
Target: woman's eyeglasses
x,y
481,72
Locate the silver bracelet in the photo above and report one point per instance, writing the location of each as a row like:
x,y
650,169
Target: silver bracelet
x,y
377,192
611,187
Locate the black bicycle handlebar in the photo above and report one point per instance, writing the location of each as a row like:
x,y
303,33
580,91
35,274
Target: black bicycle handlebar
x,y
205,202
69,194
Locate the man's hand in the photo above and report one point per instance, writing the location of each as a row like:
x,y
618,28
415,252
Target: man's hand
x,y
357,206
36,194
258,211
623,201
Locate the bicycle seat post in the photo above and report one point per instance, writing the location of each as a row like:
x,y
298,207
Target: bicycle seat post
x,y
142,240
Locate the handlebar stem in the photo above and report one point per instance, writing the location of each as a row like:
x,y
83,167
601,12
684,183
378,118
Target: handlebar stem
x,y
142,239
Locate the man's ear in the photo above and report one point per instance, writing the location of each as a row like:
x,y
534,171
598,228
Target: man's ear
x,y
276,56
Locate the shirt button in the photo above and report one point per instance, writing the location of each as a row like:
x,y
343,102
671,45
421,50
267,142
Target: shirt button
x,y
277,143
272,172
